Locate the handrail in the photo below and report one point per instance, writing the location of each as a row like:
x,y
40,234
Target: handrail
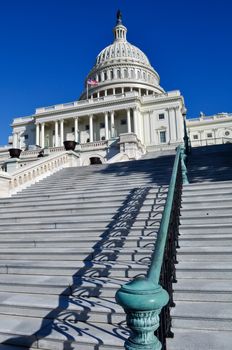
x,y
145,297
157,259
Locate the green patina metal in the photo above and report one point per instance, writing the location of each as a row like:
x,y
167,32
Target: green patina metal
x,y
143,298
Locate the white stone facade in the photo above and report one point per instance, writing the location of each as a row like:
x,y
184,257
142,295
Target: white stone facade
x,y
210,130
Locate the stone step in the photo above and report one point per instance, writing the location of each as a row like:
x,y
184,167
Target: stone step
x,y
57,334
89,193
208,191
209,315
103,184
209,242
75,242
205,229
192,296
100,224
203,285
204,212
50,233
64,285
75,211
198,339
100,310
219,219
76,254
205,198
78,268
223,203
211,185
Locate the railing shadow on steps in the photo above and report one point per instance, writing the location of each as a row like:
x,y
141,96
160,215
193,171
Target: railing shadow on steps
x,y
145,297
65,321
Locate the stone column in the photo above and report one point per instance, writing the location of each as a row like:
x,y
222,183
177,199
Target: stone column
x,y
42,134
128,121
37,134
106,126
112,124
15,140
61,132
76,129
135,120
56,134
91,128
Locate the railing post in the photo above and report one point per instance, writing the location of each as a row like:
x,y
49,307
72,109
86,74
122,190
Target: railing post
x,y
183,165
142,301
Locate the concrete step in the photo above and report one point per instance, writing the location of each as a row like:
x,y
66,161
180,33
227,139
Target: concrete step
x,y
213,219
203,285
204,212
205,229
100,310
65,285
197,339
57,334
94,268
76,254
76,242
206,185
208,270
200,242
209,315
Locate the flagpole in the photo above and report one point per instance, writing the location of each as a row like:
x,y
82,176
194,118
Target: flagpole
x,y
87,89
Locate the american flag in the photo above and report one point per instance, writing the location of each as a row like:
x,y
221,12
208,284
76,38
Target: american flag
x,y
92,82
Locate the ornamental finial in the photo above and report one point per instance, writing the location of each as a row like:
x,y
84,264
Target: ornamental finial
x,y
119,17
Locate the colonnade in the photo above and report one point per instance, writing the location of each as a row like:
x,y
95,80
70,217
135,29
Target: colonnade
x,y
110,131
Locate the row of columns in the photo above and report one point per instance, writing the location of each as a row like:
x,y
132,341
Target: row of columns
x,y
59,125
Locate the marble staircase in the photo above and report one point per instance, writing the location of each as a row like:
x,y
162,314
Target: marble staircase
x,y
202,317
67,244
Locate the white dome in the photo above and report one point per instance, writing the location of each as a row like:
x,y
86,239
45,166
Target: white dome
x,y
122,50
122,65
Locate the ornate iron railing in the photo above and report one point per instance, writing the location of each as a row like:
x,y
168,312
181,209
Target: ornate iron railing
x,y
145,297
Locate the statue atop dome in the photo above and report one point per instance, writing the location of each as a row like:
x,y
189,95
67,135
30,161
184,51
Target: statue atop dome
x,y
119,17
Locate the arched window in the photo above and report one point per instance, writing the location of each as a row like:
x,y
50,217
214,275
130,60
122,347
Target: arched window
x,y
105,76
111,74
118,74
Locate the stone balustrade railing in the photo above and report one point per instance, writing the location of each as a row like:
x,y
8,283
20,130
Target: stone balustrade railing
x,y
14,181
93,145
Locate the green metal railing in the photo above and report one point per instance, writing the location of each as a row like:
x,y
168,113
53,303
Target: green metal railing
x,y
145,297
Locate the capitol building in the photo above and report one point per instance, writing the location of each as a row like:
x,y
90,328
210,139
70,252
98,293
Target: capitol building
x,y
122,113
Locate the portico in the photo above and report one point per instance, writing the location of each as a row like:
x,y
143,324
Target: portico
x,y
85,128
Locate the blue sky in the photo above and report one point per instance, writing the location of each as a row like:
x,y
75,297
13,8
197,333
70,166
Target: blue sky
x,y
49,46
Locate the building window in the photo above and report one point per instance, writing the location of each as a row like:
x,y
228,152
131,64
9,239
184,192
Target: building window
x,y
227,133
195,137
210,135
25,137
162,136
87,140
123,121
161,116
102,125
87,127
103,138
73,129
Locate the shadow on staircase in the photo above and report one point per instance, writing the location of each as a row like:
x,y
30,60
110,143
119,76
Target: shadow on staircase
x,y
64,321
